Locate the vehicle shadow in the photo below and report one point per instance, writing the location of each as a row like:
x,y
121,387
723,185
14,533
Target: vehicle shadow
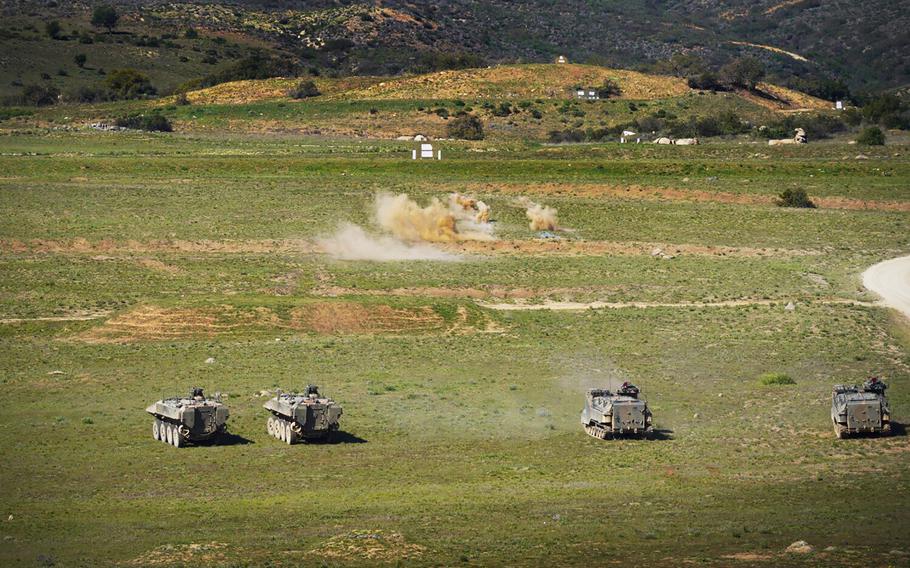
x,y
897,429
661,434
226,439
342,437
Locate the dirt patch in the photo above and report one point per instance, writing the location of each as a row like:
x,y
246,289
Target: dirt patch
x,y
482,293
349,317
206,554
158,266
750,556
676,194
72,316
622,248
84,246
596,305
372,545
157,323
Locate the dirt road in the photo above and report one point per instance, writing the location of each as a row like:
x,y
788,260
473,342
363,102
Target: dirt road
x,y
891,280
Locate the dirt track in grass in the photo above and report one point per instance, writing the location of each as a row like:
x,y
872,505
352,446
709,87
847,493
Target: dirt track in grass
x,y
646,193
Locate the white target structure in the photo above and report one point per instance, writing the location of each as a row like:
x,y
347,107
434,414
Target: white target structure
x,y
426,152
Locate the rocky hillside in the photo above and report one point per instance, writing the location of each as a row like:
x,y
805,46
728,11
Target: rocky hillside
x,y
860,43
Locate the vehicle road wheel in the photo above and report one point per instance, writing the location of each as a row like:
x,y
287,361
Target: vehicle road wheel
x,y
292,436
279,429
178,439
270,426
839,431
166,432
156,432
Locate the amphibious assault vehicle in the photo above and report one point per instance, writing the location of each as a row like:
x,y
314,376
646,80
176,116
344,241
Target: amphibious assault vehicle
x,y
861,409
609,414
302,416
180,419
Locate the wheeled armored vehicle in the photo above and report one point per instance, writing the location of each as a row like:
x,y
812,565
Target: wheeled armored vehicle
x,y
302,416
861,409
607,414
181,419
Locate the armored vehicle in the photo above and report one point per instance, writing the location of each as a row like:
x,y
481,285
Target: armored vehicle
x,y
302,416
180,419
861,409
609,414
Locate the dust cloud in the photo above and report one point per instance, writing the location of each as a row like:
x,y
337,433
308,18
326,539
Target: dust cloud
x,y
351,242
540,217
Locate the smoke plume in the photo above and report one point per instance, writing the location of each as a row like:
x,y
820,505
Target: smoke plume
x,y
351,242
461,218
541,217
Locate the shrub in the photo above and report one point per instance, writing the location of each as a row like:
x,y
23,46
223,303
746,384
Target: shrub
x,y
53,29
705,81
441,112
39,95
744,72
86,94
129,84
504,109
105,16
151,122
608,89
466,127
190,33
795,198
871,136
536,114
775,379
182,100
256,66
79,59
305,90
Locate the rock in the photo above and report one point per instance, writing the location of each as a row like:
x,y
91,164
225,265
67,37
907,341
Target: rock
x,y
861,157
263,393
830,548
667,257
10,518
800,547
790,306
696,415
56,373
210,360
657,252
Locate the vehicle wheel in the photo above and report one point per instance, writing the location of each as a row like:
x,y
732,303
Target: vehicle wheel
x,y
292,436
166,432
178,439
839,431
270,425
156,432
279,429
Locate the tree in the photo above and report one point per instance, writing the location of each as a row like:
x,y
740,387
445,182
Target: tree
x,y
872,136
79,59
466,127
744,72
129,84
53,29
706,81
105,16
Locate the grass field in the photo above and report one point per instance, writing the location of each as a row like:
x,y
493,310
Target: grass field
x,y
128,260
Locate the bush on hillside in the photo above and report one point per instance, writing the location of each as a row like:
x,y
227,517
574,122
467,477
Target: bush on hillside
x,y
871,136
256,66
795,198
608,89
305,90
705,81
37,95
126,84
105,16
465,127
743,72
153,122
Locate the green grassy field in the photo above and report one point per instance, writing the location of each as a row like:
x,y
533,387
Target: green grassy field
x,y
128,260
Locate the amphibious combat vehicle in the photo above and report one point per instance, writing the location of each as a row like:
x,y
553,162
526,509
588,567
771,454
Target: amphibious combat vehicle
x,y
302,416
608,414
861,409
181,419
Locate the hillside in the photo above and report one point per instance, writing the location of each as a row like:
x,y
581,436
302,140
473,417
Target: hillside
x,y
861,44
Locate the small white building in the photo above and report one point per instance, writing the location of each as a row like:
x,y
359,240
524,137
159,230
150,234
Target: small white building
x,y
588,94
562,59
426,152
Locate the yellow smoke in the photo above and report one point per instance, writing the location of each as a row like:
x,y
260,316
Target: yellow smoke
x,y
459,219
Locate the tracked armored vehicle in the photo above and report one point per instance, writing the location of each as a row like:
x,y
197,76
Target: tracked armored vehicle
x,y
861,409
607,414
180,420
302,416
